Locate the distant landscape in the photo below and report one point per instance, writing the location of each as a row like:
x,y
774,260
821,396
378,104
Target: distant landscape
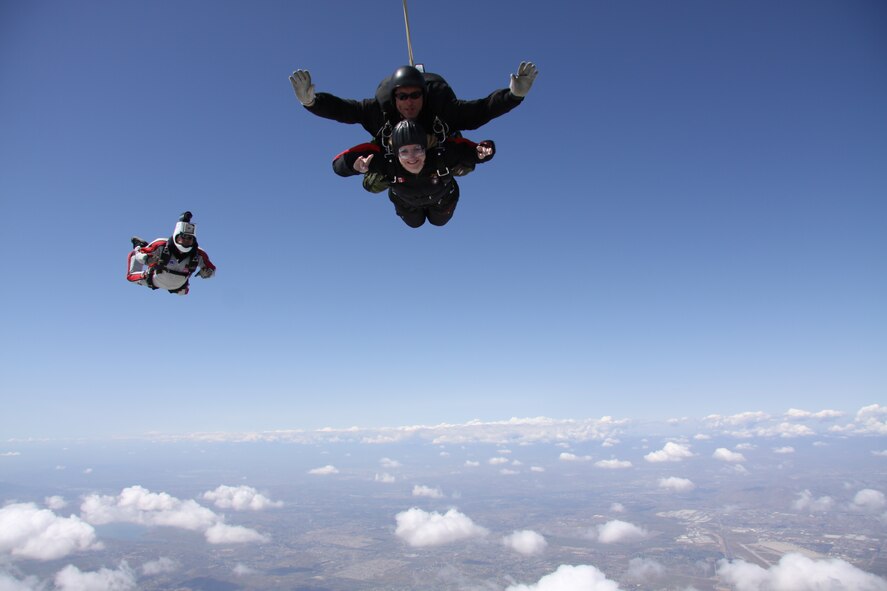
x,y
516,505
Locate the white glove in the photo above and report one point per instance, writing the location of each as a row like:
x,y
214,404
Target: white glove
x,y
147,259
522,81
301,81
206,273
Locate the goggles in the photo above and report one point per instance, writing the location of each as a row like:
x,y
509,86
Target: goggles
x,y
408,151
402,96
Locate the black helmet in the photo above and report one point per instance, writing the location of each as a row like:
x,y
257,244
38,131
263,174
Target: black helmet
x,y
407,133
407,76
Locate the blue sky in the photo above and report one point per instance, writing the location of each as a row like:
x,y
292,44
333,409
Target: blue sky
x,y
685,217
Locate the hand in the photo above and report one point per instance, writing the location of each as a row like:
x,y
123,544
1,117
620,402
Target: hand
x,y
301,81
362,164
484,149
206,273
522,81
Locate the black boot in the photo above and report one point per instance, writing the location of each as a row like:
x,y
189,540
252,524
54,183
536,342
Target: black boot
x,y
137,242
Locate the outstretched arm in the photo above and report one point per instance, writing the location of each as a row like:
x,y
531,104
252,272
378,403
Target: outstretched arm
x,y
465,152
461,114
358,160
207,268
330,106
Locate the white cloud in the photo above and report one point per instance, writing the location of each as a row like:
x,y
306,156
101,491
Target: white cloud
x,y
613,464
644,570
10,454
537,469
786,430
737,420
55,502
784,450
568,457
420,528
427,491
617,508
508,472
806,502
746,446
139,505
872,419
498,460
526,542
759,424
619,531
880,454
389,463
724,454
239,498
869,500
795,572
471,464
241,570
671,452
72,578
222,533
324,471
30,532
571,578
676,484
10,583
794,413
160,566
385,477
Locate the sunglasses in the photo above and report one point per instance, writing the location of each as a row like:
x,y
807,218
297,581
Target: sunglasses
x,y
402,96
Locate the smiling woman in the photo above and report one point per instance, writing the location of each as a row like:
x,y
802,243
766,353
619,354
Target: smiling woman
x,y
421,182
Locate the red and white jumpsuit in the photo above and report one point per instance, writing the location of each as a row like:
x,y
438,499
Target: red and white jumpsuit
x,y
144,268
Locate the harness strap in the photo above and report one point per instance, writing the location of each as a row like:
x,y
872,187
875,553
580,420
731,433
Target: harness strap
x,y
149,277
440,130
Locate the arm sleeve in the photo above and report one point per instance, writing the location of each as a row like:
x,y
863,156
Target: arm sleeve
x,y
461,114
146,251
343,164
332,107
205,263
464,151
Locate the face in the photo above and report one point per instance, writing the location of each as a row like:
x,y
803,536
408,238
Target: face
x,y
408,100
185,240
412,157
